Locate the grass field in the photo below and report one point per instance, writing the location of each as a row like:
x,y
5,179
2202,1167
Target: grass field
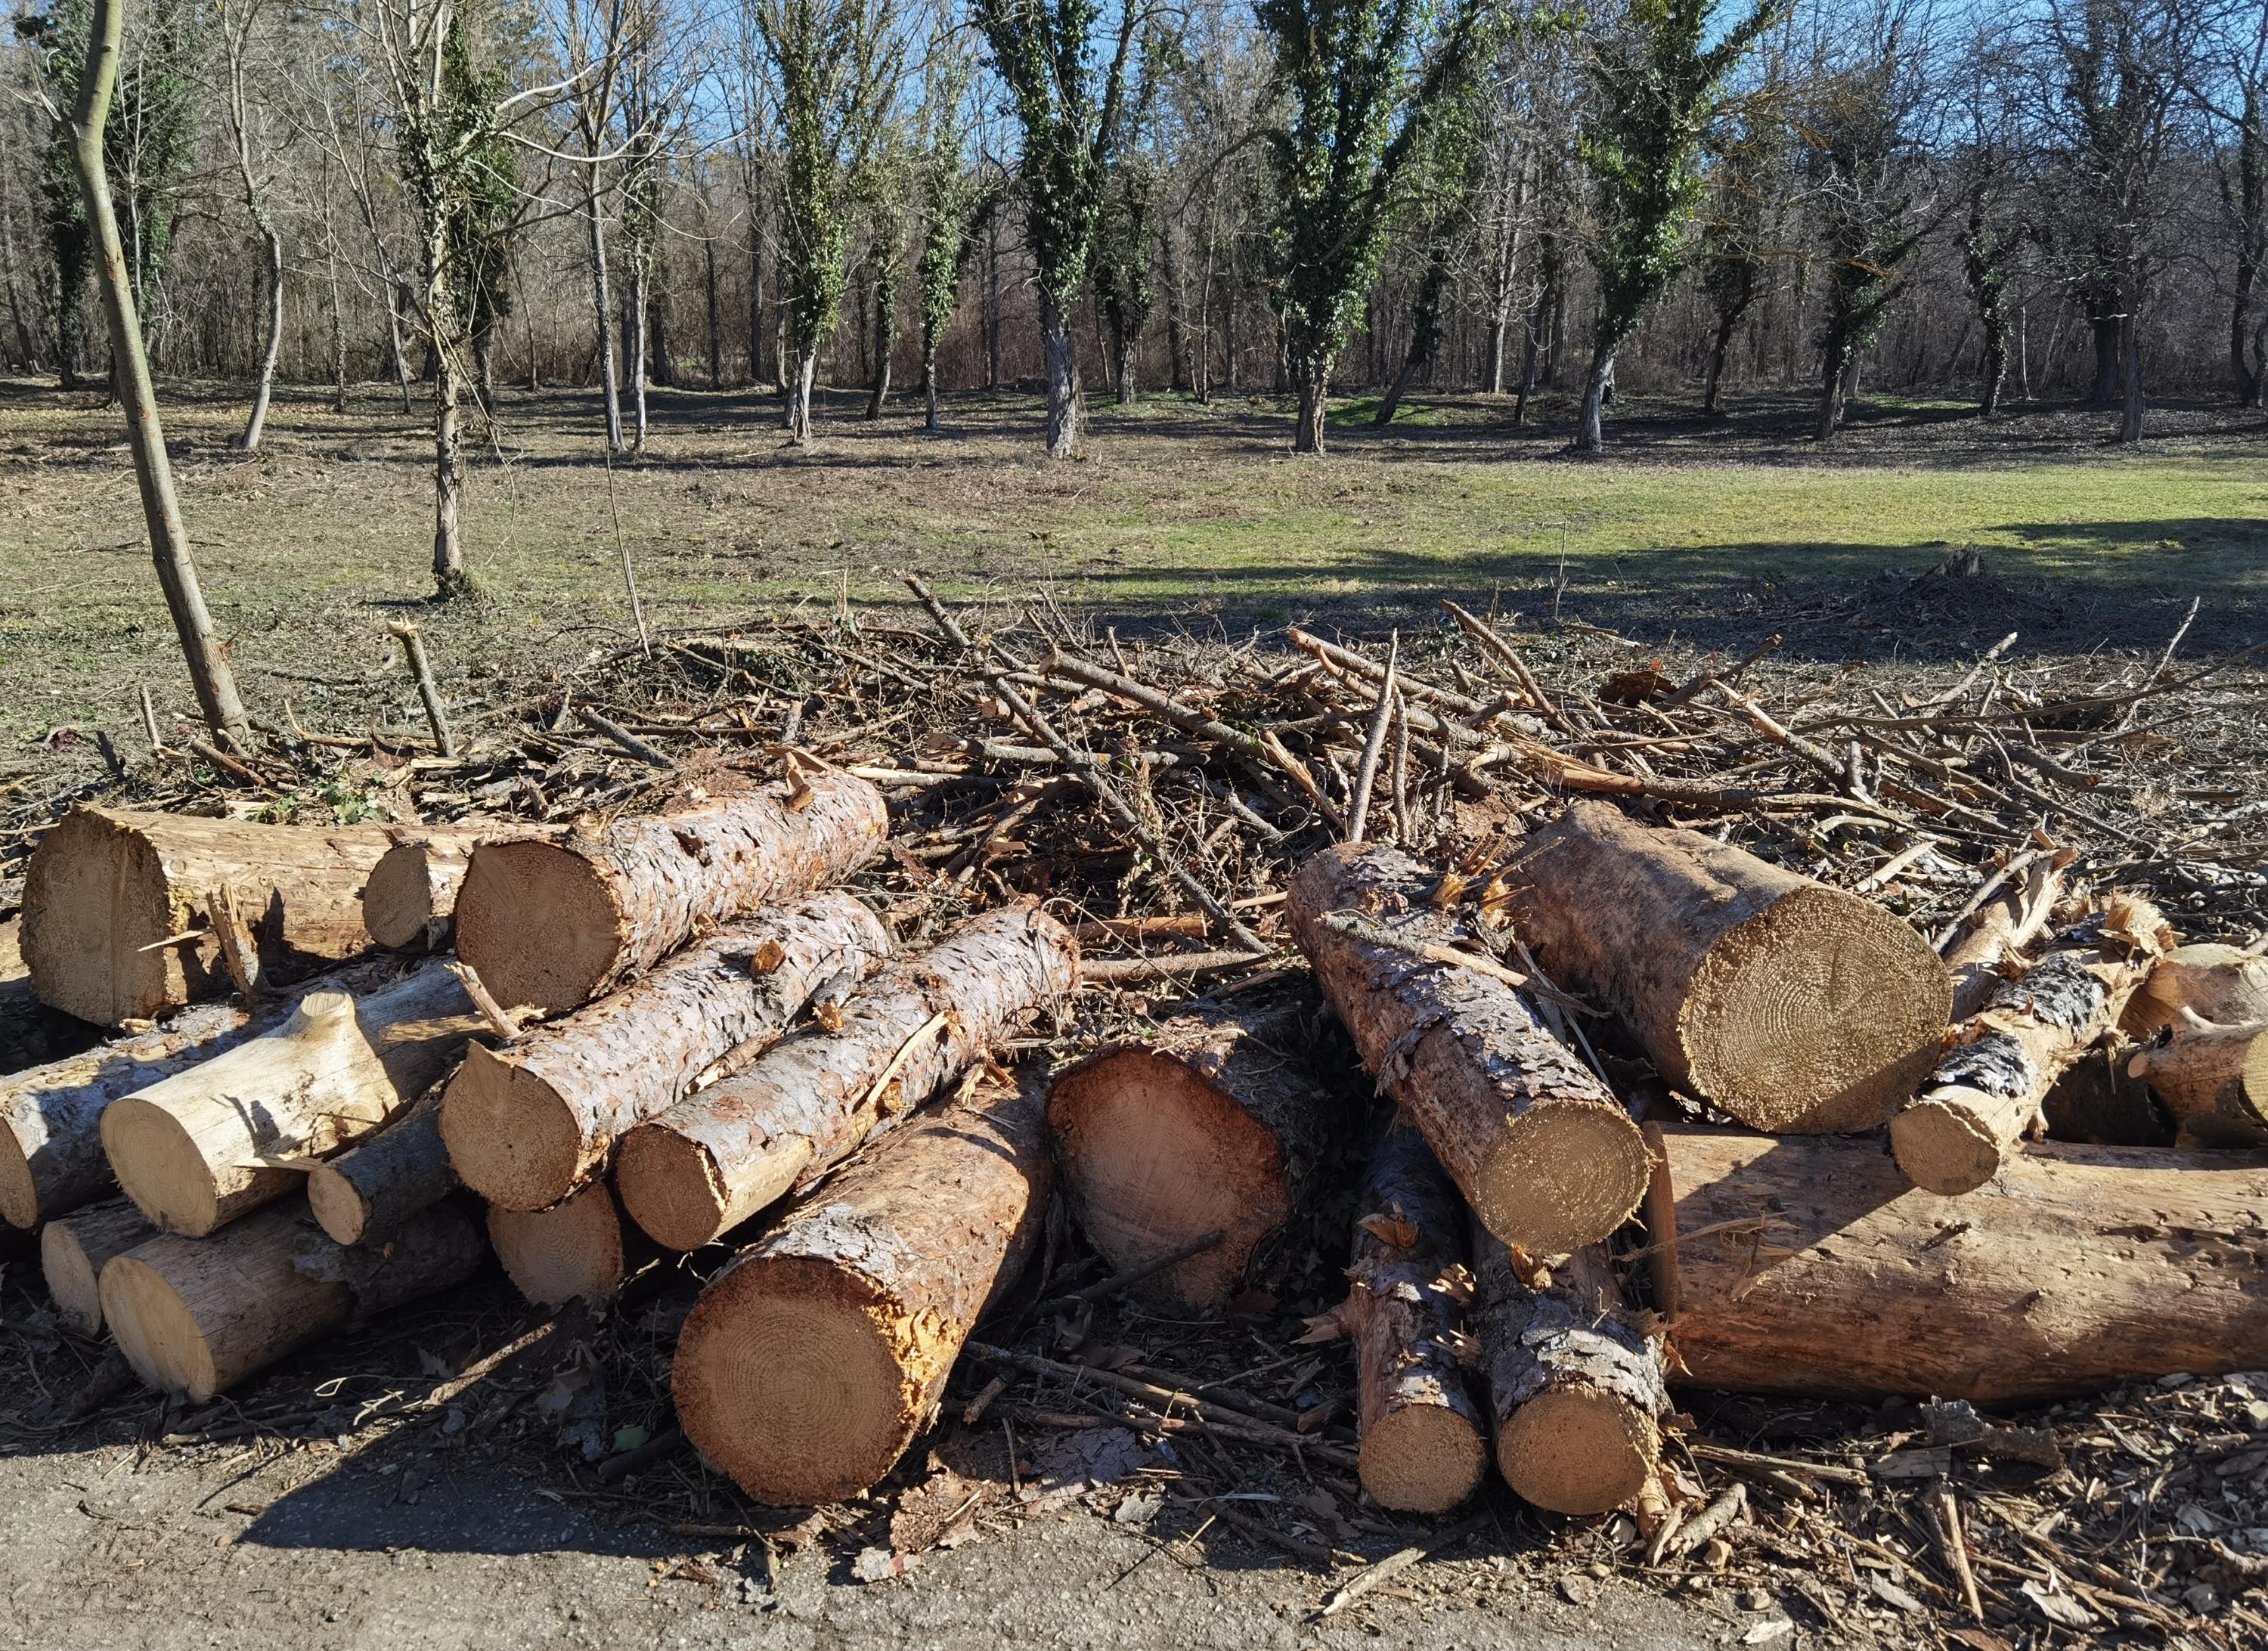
x,y
307,548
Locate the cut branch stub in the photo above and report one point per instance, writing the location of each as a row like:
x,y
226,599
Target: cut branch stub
x,y
2220,984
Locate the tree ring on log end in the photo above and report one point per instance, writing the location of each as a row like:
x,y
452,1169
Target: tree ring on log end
x,y
1945,1148
19,1194
787,1379
337,1205
161,1166
156,1331
1561,1175
397,900
670,1187
570,1251
1820,1013
94,898
510,1138
539,925
1577,1450
1421,1459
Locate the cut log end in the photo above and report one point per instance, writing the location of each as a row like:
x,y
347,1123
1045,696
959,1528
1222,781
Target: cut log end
x,y
788,1380
73,1279
19,1192
156,1330
510,1137
1424,1459
1577,1450
1820,1014
570,1252
671,1187
1154,1156
1945,1147
337,1205
95,895
397,902
539,925
161,1166
1561,1175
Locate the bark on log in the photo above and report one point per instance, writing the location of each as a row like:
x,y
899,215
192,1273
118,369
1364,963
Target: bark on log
x,y
1789,1006
74,1249
693,1173
2220,984
1575,1382
527,1123
2213,1080
195,1317
409,901
579,1249
1986,1091
815,1357
199,1148
556,924
1810,1267
1213,1125
107,885
1534,1139
363,1196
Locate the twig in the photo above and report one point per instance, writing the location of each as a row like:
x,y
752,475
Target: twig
x,y
1362,928
1373,745
621,736
226,764
503,1021
149,717
421,669
1947,1512
1119,972
1103,1289
1393,1565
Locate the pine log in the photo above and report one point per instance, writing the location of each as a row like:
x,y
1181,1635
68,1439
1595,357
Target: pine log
x,y
363,1196
1986,1091
197,1150
409,901
115,924
1810,1267
814,1359
195,1317
31,1033
73,1251
2213,1080
1789,1006
1576,1384
555,924
2220,984
1532,1137
695,1171
527,1123
579,1249
1210,1124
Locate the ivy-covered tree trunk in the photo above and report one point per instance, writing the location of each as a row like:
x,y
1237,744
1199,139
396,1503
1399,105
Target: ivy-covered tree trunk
x,y
449,577
885,334
1311,377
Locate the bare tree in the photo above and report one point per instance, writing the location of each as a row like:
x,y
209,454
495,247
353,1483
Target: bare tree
x,y
242,113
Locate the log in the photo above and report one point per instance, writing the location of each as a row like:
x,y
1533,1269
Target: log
x,y
579,1249
116,920
410,900
1789,1005
1531,1135
31,1033
1576,1384
51,1159
1810,1267
198,1149
73,1251
2008,923
695,1171
554,925
815,1357
527,1123
1422,1450
2213,1080
2214,983
363,1196
1986,1091
195,1317
1210,1124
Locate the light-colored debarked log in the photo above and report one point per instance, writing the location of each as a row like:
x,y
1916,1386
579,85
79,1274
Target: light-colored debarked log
x,y
1789,1006
1212,1123
73,1249
1998,933
816,1357
527,1123
364,1195
554,925
579,1249
409,901
199,1148
1576,1383
116,925
2212,1078
197,1315
1423,1447
1811,1267
2220,984
699,1169
1986,1091
1532,1137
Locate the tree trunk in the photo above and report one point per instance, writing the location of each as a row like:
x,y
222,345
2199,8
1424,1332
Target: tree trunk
x,y
874,1286
2106,328
2221,983
397,300
716,318
634,348
338,320
799,405
885,314
529,1123
1719,347
1536,1143
1574,1384
929,388
195,1317
1791,1006
410,899
1061,352
74,1251
2215,1080
602,309
556,924
1590,433
2131,409
197,1150
1986,1092
264,386
106,886
1992,367
161,511
1832,384
992,301
579,1249
368,1194
699,1169
1209,1124
1811,1268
